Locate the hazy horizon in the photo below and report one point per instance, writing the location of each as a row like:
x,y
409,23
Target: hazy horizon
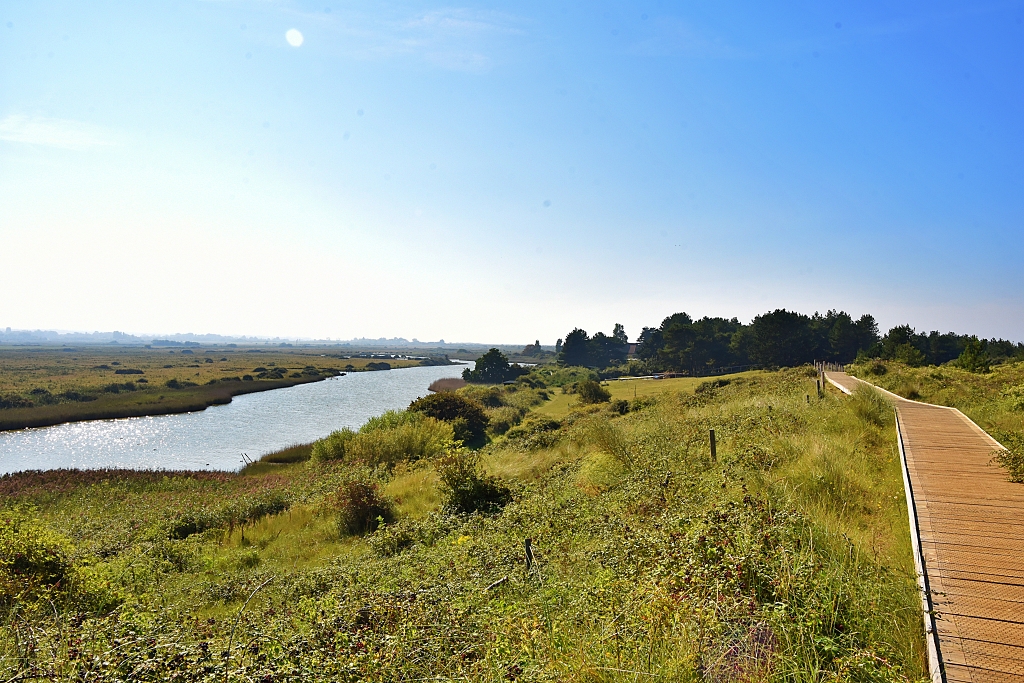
x,y
494,170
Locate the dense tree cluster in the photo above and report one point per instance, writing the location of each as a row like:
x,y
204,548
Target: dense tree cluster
x,y
493,368
599,351
779,338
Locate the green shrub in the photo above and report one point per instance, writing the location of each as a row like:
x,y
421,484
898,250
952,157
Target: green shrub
x,y
504,418
607,437
451,406
361,508
1012,458
711,386
193,522
1014,396
535,432
464,488
641,402
33,559
116,388
487,396
619,406
331,447
14,401
877,368
591,392
387,439
423,438
392,419
390,539
236,512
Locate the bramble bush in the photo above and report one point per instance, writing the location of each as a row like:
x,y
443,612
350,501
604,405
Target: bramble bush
x,y
33,559
464,488
1012,457
592,392
362,508
466,416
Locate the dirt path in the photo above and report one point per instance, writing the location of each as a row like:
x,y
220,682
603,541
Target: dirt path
x,y
969,522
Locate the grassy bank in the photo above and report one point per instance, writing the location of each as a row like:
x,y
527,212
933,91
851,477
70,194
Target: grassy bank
x,y
46,386
787,558
157,401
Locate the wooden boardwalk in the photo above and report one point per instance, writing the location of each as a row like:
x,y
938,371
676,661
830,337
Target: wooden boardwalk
x,y
968,522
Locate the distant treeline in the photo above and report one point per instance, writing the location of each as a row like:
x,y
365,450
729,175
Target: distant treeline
x,y
780,338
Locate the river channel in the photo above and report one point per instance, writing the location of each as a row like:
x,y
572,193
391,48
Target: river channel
x,y
216,438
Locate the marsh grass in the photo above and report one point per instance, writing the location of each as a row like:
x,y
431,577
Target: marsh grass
x,y
786,559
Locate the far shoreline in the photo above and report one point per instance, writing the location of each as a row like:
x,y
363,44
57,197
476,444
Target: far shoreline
x,y
189,401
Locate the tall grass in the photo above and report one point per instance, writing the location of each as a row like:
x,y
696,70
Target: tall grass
x,y
388,439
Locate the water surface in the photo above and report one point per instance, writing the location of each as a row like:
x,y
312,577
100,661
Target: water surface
x,y
217,437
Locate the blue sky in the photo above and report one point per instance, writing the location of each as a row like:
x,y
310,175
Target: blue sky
x,y
504,172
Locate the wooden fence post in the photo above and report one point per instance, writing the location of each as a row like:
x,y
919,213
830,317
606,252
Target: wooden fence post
x,y
714,449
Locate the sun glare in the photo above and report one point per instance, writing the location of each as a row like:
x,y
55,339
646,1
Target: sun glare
x,y
294,37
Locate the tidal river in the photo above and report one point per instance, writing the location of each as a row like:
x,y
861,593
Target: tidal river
x,y
216,438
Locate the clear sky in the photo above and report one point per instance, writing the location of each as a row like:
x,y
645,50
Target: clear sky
x,y
505,172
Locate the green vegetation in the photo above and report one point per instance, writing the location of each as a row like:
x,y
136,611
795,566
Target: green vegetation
x,y
42,386
787,558
1011,458
591,392
387,440
638,391
776,339
598,351
974,357
466,416
493,368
